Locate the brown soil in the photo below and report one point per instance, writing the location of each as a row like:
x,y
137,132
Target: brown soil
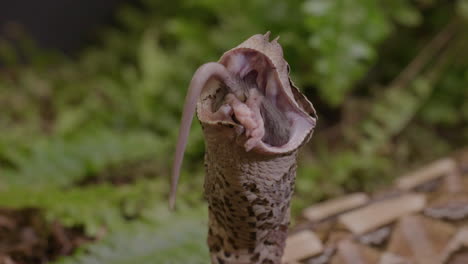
x,y
27,237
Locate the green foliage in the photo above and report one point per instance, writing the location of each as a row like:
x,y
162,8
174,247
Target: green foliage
x,y
65,161
448,105
343,34
171,239
98,207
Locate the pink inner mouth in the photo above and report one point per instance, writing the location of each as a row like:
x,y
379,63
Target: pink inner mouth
x,y
255,100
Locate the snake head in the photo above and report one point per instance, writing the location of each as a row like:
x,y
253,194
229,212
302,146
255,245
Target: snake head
x,y
248,97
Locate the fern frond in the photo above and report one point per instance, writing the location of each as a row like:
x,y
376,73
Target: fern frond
x,y
174,239
391,114
98,207
63,161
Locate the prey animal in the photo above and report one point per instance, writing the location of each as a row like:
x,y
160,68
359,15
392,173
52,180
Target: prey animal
x,y
254,121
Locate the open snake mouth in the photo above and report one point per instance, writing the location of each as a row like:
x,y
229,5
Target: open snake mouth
x,y
254,99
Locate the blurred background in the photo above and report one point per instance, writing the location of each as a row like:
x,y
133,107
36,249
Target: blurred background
x,y
91,95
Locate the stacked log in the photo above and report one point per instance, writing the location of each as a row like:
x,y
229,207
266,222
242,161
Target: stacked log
x,y
421,219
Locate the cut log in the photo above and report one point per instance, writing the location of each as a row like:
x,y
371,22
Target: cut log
x,y
336,206
420,239
382,213
428,173
302,245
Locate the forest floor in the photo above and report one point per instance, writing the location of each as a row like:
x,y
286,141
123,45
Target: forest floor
x,y
27,237
421,218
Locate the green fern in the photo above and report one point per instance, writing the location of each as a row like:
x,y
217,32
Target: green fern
x,y
64,161
97,208
174,238
100,207
390,115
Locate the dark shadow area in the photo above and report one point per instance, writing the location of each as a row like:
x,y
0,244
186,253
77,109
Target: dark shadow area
x,y
58,24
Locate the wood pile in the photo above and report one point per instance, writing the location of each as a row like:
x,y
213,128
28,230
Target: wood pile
x,y
422,219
